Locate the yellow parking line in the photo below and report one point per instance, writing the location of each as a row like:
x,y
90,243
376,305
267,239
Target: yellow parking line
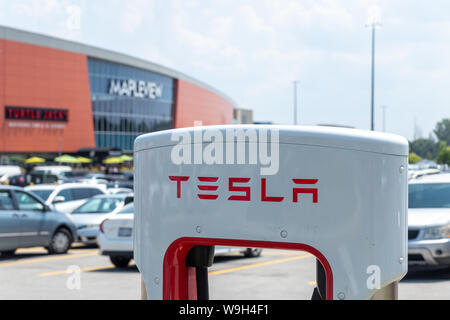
x,y
261,264
50,258
43,250
60,272
31,250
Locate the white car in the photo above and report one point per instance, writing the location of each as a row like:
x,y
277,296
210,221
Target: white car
x,y
66,197
429,220
116,236
10,170
116,239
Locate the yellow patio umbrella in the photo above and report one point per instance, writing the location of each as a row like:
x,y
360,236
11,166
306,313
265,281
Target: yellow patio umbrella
x,y
65,158
34,160
125,157
83,160
113,160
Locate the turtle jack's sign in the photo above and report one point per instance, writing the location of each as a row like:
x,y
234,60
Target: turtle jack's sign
x,y
36,114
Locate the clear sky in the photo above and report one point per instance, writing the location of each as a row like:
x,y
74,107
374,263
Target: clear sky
x,y
253,50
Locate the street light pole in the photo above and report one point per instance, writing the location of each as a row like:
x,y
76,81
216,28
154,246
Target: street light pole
x,y
372,95
373,23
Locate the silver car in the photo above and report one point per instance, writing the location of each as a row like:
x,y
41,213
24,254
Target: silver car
x,y
26,221
89,215
66,197
429,220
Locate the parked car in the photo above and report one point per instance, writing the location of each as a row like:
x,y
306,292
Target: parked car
x,y
99,178
116,236
74,176
89,215
116,239
28,179
66,197
19,180
426,164
10,170
122,179
419,173
59,170
6,172
26,221
429,220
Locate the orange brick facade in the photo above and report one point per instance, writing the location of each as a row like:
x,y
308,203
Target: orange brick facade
x,y
34,76
193,103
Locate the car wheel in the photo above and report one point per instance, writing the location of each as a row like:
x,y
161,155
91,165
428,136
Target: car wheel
x,y
120,262
60,242
253,252
8,253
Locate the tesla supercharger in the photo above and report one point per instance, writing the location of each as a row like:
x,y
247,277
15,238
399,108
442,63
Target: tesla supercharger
x,y
339,194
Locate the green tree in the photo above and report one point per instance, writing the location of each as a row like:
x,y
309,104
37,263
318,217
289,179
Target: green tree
x,y
443,156
413,158
425,148
442,130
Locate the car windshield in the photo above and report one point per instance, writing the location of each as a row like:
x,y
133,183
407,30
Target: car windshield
x,y
429,195
127,209
99,205
42,193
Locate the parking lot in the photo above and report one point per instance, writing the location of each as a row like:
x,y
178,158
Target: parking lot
x,y
276,274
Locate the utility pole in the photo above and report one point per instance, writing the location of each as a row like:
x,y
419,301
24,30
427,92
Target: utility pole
x,y
372,91
373,23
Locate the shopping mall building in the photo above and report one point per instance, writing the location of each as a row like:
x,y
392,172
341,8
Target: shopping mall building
x,y
60,96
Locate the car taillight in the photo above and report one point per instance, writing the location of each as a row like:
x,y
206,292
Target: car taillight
x,y
101,225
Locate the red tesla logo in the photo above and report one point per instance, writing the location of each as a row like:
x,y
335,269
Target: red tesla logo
x,y
241,192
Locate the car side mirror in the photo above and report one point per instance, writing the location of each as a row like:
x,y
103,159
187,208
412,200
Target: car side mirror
x,y
47,208
59,199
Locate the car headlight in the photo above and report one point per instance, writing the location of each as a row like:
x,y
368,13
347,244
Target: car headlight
x,y
442,232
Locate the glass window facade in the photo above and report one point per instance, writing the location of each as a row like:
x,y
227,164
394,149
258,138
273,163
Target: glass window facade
x,y
128,102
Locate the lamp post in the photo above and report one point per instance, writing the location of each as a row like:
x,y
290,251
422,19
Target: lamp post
x,y
373,23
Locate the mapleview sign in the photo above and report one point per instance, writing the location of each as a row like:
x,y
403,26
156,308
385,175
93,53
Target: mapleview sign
x,y
135,88
36,114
